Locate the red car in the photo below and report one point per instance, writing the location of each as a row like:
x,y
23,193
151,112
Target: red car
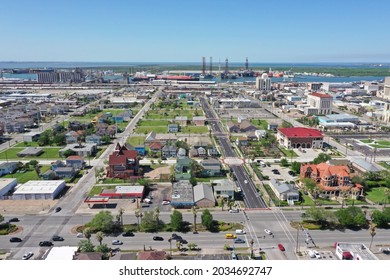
x,y
281,247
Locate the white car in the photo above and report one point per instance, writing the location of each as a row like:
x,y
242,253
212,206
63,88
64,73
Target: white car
x,y
267,231
234,211
166,202
27,255
116,242
316,254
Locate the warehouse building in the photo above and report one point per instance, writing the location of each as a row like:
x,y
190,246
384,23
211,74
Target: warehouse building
x,y
6,186
35,190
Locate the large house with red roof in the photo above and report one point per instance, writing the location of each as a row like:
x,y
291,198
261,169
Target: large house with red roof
x,y
123,163
321,102
300,137
331,179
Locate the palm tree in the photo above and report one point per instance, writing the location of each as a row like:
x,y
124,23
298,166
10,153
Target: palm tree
x,y
121,211
99,237
138,215
372,232
194,213
156,215
386,193
87,233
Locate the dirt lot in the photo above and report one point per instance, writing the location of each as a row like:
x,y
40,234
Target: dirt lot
x,y
20,207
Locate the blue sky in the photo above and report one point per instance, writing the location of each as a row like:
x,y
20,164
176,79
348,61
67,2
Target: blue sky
x,y
185,31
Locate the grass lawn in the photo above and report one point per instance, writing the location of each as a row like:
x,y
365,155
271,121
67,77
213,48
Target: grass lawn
x,y
207,180
26,144
28,175
148,129
136,140
262,124
114,112
306,200
96,190
48,153
288,153
194,129
376,195
153,122
384,164
367,141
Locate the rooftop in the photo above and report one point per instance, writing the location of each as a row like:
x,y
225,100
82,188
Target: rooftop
x,y
300,132
39,186
321,95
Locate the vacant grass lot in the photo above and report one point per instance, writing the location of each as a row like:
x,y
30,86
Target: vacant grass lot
x,y
261,124
148,129
153,122
376,195
194,129
28,175
48,153
136,140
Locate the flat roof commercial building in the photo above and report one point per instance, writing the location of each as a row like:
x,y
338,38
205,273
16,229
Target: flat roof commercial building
x,y
6,186
124,192
35,190
182,194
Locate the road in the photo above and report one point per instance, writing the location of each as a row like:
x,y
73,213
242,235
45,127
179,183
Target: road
x,y
244,181
254,223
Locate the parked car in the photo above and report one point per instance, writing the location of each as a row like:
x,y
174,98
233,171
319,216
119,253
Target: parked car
x,y
58,209
166,202
57,238
116,242
316,254
27,255
291,173
239,240
234,211
132,200
267,231
127,233
158,238
230,236
45,244
15,239
234,256
80,235
13,220
281,247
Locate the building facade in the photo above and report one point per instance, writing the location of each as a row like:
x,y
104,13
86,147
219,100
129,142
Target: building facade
x,y
321,102
300,137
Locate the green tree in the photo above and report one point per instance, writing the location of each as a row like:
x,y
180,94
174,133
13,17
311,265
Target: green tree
x,y
296,167
121,211
103,249
207,219
284,162
86,246
351,217
149,223
193,181
106,139
319,215
286,124
381,218
177,220
59,139
196,169
99,237
322,157
68,153
103,221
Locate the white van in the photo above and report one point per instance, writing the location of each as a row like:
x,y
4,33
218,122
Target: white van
x,y
240,231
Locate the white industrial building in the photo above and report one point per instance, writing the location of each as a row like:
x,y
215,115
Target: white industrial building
x,y
35,190
263,83
6,186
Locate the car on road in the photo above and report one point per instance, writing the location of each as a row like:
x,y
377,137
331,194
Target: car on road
x,y
13,220
176,237
57,238
234,211
230,236
15,239
291,173
27,255
158,238
239,240
127,233
245,182
165,202
45,244
145,205
275,171
80,235
116,242
281,247
267,231
58,209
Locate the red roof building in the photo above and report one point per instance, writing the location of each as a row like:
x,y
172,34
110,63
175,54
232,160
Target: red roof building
x,y
331,179
122,163
300,137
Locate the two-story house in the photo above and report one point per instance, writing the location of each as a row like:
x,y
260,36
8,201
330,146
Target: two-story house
x,y
122,163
